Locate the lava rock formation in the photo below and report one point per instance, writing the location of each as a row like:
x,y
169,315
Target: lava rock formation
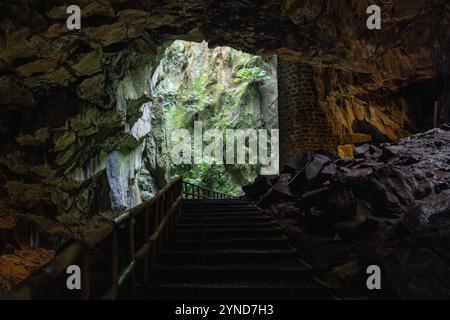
x,y
390,206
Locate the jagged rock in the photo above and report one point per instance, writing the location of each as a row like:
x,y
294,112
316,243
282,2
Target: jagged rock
x,y
38,139
314,167
344,162
282,184
301,161
12,92
346,151
58,77
298,183
278,192
354,172
428,209
121,172
92,90
64,141
65,157
37,67
287,168
329,171
261,185
99,8
380,199
361,150
89,64
391,151
21,264
275,195
417,272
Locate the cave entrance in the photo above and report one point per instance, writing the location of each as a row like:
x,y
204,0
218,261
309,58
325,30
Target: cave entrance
x,y
221,89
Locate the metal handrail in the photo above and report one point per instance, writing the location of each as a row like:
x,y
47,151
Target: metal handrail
x,y
160,213
193,191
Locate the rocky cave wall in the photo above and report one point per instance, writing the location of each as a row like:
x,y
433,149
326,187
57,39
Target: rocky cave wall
x,y
70,100
326,109
383,95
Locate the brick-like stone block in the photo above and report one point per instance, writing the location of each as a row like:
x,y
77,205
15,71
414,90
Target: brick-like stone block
x,y
303,124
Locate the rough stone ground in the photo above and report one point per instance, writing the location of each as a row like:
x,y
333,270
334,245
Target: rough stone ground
x,y
26,241
16,267
390,206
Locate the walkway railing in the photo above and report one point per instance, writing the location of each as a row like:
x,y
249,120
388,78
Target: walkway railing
x,y
144,229
193,191
156,217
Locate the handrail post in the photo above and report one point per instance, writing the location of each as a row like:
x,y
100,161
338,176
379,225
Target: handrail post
x,y
169,201
173,193
155,214
131,249
113,259
146,235
162,210
85,276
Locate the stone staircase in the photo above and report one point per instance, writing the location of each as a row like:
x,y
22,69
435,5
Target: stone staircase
x,y
229,249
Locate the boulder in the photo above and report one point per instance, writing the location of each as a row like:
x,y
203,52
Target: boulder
x,y
425,212
361,150
389,206
314,167
255,190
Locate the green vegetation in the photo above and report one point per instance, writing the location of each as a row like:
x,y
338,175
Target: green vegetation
x,y
252,71
211,176
220,87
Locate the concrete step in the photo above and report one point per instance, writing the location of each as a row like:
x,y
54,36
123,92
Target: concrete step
x,y
229,250
228,257
218,226
229,273
310,290
225,219
230,243
249,233
224,214
220,209
215,202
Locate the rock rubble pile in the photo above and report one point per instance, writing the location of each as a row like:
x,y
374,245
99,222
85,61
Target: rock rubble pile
x,y
389,206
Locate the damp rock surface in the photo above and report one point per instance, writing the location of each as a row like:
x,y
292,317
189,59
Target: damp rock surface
x,y
389,206
17,265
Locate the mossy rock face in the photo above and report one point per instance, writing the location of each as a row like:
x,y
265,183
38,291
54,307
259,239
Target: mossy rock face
x,y
225,89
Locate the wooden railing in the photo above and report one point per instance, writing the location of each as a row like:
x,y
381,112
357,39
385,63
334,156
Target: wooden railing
x,y
156,217
146,225
193,191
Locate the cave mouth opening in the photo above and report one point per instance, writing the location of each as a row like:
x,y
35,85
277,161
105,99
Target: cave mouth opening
x,y
126,141
221,88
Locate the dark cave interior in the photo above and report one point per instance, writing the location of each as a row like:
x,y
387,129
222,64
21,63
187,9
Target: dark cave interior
x,y
86,117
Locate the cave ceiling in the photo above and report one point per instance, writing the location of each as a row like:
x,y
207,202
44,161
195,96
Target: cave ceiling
x,y
35,41
60,89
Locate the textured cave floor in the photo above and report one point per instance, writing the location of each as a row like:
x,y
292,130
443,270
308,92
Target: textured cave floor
x,y
19,265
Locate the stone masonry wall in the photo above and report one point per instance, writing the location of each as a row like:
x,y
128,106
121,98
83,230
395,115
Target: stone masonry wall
x,y
303,124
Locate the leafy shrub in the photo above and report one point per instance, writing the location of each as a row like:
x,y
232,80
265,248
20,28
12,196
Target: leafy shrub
x,y
254,74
